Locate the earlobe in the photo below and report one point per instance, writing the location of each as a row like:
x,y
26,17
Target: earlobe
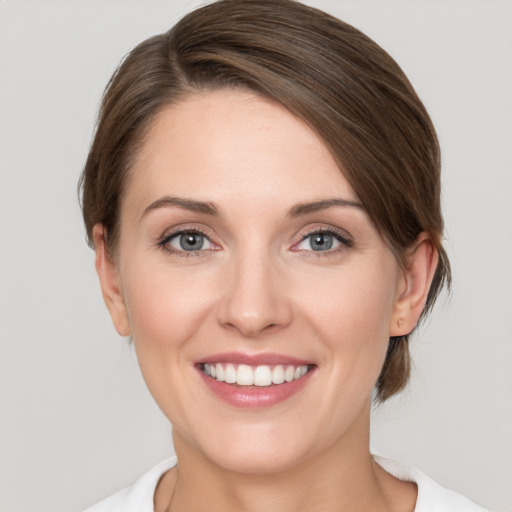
x,y
414,287
108,274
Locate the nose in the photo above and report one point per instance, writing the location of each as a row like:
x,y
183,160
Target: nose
x,y
254,301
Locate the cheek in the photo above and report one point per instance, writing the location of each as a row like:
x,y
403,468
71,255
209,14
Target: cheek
x,y
166,309
166,306
352,300
351,312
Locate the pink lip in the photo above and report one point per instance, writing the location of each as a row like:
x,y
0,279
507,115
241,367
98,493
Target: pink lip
x,y
253,359
252,397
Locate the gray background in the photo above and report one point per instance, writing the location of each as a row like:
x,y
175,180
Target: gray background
x,y
76,420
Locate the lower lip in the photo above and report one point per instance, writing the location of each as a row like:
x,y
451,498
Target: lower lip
x,y
252,397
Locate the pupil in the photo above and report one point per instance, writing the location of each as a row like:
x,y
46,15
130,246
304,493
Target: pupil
x,y
191,241
321,242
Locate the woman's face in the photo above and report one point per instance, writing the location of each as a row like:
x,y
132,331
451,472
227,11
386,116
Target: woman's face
x,y
244,249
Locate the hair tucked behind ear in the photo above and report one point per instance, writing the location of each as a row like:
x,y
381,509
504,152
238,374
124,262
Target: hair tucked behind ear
x,y
396,370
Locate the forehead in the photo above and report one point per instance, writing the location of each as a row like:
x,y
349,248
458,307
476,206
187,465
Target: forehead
x,y
233,146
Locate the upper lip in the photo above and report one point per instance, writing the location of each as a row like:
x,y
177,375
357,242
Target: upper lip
x,y
269,359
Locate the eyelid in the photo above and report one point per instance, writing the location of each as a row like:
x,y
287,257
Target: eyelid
x,y
169,234
341,235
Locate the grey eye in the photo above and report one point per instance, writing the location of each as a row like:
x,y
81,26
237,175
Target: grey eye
x,y
318,242
190,242
321,241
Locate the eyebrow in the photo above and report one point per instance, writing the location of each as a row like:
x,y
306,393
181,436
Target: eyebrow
x,y
209,208
316,206
187,204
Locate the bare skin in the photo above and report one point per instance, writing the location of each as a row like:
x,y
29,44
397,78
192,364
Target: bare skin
x,y
307,488
258,193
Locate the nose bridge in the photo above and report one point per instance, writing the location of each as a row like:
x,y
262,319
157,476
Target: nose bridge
x,y
252,300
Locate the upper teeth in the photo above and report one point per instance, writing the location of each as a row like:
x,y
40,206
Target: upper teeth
x,y
245,375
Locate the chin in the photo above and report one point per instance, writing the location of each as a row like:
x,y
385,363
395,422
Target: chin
x,y
251,449
266,459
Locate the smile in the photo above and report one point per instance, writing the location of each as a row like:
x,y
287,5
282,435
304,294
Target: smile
x,y
261,375
255,381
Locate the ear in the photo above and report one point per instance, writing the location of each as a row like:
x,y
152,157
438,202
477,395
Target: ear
x,y
108,274
414,286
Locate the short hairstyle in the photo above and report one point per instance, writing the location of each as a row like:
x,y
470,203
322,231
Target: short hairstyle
x,y
322,70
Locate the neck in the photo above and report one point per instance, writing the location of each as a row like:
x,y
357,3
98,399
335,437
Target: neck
x,y
342,477
309,487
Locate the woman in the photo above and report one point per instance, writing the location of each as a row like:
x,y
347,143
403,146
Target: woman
x,y
262,194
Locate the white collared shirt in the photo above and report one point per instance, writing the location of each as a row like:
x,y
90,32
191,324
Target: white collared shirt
x,y
432,497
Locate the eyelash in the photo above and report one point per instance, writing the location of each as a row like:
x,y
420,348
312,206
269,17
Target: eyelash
x,y
166,239
343,239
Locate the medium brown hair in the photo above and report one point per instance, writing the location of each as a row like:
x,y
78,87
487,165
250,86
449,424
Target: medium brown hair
x,y
327,73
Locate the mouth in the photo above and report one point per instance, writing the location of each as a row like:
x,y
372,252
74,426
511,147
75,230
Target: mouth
x,y
259,376
259,381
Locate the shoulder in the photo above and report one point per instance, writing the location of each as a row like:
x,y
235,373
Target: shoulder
x,y
432,497
137,497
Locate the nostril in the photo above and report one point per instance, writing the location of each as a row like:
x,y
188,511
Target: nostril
x,y
253,312
251,330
